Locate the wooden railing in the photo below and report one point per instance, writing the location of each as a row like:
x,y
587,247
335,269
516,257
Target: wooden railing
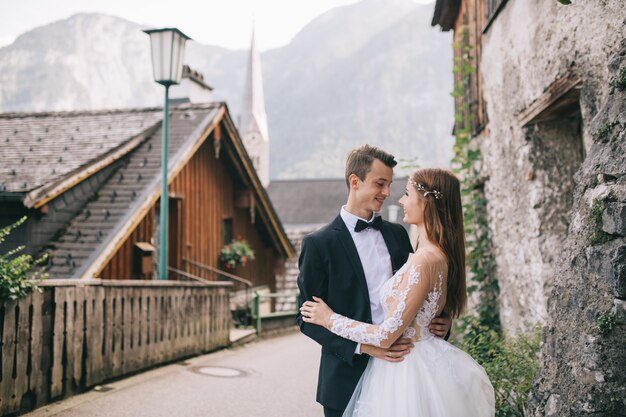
x,y
241,289
259,317
201,268
79,333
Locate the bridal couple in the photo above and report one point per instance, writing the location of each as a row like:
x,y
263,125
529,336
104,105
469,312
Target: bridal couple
x,y
380,310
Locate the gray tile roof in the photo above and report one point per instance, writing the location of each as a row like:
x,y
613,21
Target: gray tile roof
x,y
37,149
120,197
318,201
307,201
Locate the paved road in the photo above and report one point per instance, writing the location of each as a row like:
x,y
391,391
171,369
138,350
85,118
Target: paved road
x,y
279,381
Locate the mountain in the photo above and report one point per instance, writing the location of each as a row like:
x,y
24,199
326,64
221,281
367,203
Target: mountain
x,y
85,62
372,72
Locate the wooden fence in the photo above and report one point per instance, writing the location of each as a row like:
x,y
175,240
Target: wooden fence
x,y
76,334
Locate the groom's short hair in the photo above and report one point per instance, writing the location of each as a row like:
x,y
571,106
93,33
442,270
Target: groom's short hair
x,y
360,161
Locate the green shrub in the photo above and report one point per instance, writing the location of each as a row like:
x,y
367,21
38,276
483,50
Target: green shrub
x,y
604,131
606,323
598,237
510,362
620,81
596,211
16,280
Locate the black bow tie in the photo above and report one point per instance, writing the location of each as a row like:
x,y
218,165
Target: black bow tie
x,y
377,223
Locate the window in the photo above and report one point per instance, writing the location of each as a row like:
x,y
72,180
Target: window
x,y
492,8
227,231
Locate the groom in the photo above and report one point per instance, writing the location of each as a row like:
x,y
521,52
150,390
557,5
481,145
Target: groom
x,y
345,263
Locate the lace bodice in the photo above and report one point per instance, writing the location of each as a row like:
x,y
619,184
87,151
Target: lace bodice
x,y
410,299
425,314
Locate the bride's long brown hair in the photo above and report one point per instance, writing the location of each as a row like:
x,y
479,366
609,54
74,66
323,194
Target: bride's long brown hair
x,y
443,220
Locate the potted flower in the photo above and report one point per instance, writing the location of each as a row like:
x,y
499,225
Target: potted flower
x,y
237,252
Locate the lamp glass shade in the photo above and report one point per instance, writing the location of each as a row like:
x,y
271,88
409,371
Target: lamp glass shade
x,y
168,50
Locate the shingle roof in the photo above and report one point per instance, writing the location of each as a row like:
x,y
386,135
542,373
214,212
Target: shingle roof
x,y
307,201
93,234
38,149
317,201
119,198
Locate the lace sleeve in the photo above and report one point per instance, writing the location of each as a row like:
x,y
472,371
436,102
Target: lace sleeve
x,y
408,293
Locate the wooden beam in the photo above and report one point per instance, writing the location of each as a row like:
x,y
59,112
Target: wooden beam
x,y
560,98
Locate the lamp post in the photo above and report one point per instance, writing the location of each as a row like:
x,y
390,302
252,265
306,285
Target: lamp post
x,y
168,49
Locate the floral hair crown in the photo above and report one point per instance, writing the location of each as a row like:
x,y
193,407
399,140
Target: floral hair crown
x,y
420,187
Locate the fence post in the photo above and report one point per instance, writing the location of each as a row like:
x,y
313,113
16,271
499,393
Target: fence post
x,y
256,312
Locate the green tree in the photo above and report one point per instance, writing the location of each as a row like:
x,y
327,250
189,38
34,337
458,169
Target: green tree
x,y
17,277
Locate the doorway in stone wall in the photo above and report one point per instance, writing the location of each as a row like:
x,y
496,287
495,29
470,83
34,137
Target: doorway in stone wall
x,y
553,128
556,153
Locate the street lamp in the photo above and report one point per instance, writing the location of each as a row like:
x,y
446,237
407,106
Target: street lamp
x,y
168,49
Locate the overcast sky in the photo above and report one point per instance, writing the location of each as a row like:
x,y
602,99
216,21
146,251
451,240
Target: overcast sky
x,y
225,23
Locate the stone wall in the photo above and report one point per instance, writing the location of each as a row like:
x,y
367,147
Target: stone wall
x,y
583,362
287,282
556,192
529,169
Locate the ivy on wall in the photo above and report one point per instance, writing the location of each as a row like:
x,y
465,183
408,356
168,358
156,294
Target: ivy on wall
x,y
510,362
482,283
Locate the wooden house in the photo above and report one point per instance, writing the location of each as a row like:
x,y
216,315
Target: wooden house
x,y
89,183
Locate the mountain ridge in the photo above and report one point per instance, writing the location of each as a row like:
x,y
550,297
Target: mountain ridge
x,y
356,74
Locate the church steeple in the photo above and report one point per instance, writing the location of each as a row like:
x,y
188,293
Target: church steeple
x,y
253,120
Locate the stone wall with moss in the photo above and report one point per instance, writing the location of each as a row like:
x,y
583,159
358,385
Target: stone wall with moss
x,y
583,364
556,194
530,169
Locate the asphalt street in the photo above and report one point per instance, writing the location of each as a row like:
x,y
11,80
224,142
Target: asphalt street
x,y
274,377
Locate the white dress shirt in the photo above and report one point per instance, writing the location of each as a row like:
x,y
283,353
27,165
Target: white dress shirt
x,y
375,259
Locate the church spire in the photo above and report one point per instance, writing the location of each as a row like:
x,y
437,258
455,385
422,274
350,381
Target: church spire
x,y
253,120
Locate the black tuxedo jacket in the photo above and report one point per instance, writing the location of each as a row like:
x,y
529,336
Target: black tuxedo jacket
x,y
330,268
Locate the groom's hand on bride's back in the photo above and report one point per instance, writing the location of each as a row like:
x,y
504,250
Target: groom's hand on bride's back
x,y
440,326
395,353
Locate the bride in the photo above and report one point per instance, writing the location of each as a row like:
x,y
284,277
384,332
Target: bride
x,y
435,379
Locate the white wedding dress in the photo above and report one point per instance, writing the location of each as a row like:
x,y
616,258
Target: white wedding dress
x,y
436,379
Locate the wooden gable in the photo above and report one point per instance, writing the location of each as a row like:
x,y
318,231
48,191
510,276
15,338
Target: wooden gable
x,y
214,195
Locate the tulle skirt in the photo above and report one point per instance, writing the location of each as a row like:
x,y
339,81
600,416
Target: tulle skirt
x,y
435,380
